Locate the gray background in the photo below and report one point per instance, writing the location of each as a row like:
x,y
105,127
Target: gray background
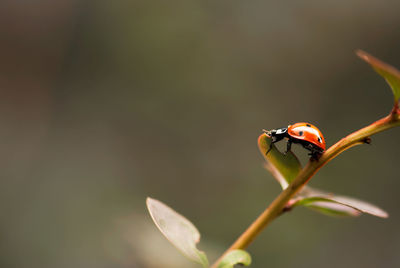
x,y
106,102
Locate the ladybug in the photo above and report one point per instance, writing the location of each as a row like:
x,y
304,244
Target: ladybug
x,y
305,134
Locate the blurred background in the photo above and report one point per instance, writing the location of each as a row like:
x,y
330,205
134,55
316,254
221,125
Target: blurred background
x,y
104,103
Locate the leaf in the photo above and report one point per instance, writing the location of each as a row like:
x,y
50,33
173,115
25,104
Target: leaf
x,y
277,175
390,73
177,229
333,209
336,204
236,256
327,207
284,168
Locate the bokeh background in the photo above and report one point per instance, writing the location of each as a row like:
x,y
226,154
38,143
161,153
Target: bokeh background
x,y
104,103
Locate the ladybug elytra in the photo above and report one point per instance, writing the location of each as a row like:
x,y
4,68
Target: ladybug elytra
x,y
305,134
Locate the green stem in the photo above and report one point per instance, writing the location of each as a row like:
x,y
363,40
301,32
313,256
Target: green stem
x,y
277,207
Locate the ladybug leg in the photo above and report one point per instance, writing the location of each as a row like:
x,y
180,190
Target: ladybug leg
x,y
314,154
270,145
274,139
269,149
288,146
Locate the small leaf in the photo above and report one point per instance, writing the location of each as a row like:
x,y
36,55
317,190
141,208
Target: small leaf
x,y
360,205
391,74
327,207
335,203
334,209
280,165
177,229
236,256
276,174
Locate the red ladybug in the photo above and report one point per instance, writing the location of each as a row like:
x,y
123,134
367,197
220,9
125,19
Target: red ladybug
x,y
305,134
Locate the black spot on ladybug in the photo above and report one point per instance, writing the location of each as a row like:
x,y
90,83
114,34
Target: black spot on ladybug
x,y
308,125
319,139
300,133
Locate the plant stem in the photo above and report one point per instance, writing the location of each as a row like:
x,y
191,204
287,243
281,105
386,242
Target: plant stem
x,y
277,207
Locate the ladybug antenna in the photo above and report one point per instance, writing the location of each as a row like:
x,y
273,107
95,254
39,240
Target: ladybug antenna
x,y
268,132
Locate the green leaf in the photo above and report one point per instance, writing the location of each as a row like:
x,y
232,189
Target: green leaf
x,y
336,204
284,168
236,256
177,229
334,209
327,207
390,73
